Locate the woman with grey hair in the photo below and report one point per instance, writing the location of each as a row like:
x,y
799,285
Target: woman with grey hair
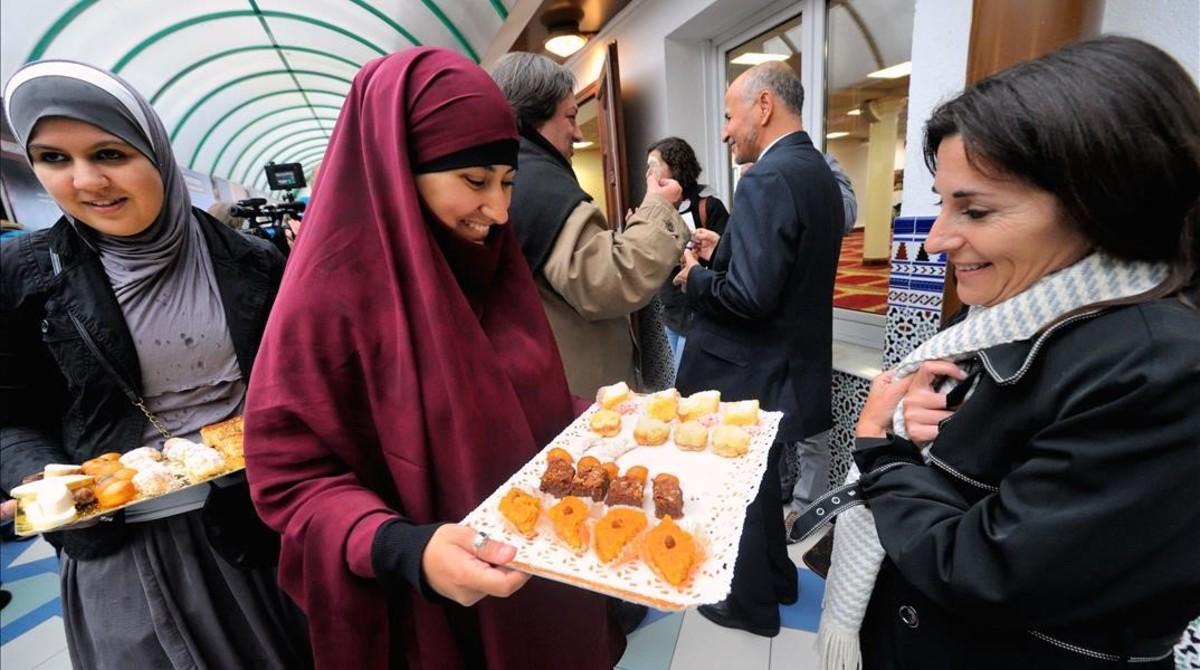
x,y
136,317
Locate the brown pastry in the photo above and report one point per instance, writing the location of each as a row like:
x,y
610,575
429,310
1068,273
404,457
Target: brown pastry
x,y
616,529
627,490
226,438
569,518
605,422
651,432
591,479
691,436
558,453
84,497
558,477
521,510
668,497
671,552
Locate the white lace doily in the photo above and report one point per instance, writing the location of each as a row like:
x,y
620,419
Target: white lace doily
x,y
716,491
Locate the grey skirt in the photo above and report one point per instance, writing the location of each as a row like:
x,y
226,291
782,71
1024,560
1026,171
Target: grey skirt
x,y
168,600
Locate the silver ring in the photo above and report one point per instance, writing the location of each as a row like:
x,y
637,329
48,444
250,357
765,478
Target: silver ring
x,y
481,538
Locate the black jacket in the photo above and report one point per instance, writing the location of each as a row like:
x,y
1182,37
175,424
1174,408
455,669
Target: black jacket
x,y
764,310
57,404
676,314
1061,498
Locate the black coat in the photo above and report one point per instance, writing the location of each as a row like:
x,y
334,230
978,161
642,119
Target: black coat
x,y
764,309
57,404
1062,499
676,314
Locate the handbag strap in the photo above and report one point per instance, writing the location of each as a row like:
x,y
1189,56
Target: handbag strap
x,y
126,387
704,212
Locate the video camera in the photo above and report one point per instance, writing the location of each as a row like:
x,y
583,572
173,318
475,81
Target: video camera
x,y
267,220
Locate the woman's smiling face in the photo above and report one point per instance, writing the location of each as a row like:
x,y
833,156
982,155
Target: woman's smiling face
x,y
1001,234
96,177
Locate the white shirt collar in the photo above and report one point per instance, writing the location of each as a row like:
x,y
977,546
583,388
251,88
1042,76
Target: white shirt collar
x,y
776,141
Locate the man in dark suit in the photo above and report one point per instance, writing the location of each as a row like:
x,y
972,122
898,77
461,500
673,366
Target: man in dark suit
x,y
764,314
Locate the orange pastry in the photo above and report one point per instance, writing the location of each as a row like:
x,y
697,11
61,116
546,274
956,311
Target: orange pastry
x,y
615,531
101,467
651,432
670,552
663,405
569,517
521,510
605,422
558,453
115,492
691,436
124,473
730,441
611,468
108,456
637,472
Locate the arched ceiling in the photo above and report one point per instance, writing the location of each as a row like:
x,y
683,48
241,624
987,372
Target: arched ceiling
x,y
242,82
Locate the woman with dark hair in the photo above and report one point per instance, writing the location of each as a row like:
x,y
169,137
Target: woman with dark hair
x,y
408,369
673,158
1029,473
134,317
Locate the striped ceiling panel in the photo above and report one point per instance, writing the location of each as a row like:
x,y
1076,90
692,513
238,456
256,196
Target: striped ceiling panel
x,y
242,82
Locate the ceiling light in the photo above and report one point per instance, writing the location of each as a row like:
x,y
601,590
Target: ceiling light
x,y
562,25
894,72
755,58
582,145
854,112
834,136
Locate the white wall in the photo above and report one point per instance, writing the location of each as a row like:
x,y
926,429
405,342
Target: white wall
x,y
941,37
664,51
1172,25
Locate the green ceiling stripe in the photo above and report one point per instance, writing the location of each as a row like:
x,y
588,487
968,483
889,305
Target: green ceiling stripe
x,y
268,131
233,82
388,20
59,25
500,9
270,145
262,22
437,11
237,108
231,52
273,112
215,16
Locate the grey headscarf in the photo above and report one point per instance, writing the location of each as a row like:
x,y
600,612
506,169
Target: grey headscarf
x,y
162,277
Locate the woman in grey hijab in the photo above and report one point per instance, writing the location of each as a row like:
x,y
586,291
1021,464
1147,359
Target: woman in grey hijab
x,y
134,317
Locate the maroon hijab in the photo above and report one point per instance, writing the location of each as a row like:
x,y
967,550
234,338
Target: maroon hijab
x,y
405,373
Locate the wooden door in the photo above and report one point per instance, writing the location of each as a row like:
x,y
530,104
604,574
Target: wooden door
x,y
612,138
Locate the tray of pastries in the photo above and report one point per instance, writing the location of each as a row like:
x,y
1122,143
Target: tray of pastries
x,y
642,497
65,495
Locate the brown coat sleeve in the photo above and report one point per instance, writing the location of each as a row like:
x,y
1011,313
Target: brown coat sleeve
x,y
604,274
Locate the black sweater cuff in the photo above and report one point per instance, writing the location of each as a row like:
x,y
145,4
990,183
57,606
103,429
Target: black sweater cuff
x,y
872,453
396,556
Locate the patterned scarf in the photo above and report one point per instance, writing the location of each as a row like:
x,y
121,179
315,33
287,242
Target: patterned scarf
x,y
857,553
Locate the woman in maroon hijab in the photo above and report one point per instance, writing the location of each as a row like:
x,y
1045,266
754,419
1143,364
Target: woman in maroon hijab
x,y
407,370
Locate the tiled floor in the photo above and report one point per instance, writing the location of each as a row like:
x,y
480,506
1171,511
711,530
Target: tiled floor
x,y
688,641
32,634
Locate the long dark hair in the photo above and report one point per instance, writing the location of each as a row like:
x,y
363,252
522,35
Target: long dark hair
x,y
1110,127
679,156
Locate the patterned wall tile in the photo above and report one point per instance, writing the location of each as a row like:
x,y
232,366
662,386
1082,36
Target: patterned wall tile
x,y
917,277
849,394
907,328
